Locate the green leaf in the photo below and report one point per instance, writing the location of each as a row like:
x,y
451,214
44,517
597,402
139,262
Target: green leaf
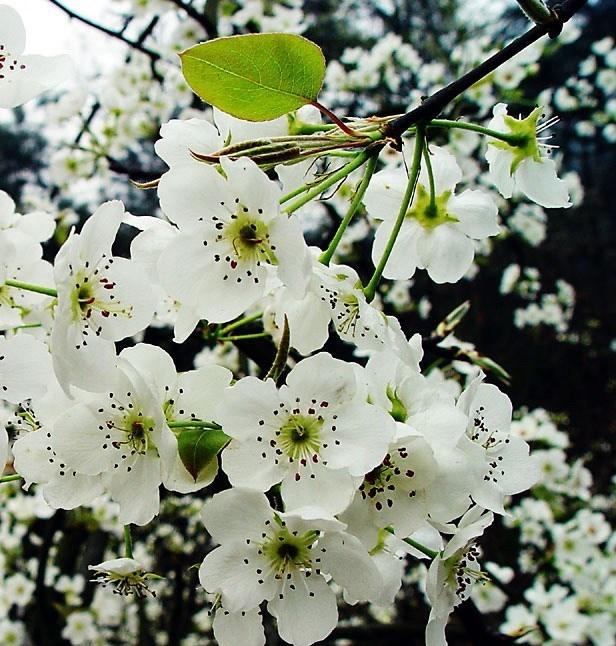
x,y
256,77
198,447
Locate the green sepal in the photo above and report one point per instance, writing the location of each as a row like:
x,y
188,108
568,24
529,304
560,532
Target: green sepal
x,y
198,447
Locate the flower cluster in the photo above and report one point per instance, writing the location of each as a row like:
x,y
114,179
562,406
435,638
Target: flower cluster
x,y
336,465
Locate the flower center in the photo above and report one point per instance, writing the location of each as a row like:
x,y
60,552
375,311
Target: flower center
x,y
300,436
249,237
524,142
287,551
430,214
85,300
137,430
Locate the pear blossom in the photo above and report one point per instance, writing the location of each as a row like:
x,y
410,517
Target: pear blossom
x,y
316,434
101,299
499,460
121,436
127,575
231,233
334,296
36,458
435,235
454,572
284,560
522,165
22,77
189,396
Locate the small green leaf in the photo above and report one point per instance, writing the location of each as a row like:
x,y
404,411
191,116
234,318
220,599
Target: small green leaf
x,y
198,447
256,77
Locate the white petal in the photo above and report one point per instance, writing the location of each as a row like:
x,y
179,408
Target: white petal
x,y
330,381
307,612
180,137
225,570
445,169
330,489
539,182
154,366
445,253
246,403
32,76
252,463
402,261
137,491
12,30
294,263
364,433
499,162
476,212
349,563
233,628
255,190
236,514
384,194
25,368
189,193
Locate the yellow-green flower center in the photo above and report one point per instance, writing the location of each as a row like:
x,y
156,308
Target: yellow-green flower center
x,y
430,213
524,142
300,436
287,551
249,236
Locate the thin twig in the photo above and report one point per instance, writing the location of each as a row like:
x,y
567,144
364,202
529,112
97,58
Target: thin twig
x,y
434,104
154,56
197,16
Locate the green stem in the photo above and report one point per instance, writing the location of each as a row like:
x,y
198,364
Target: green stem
x,y
128,542
243,321
243,337
326,256
473,127
292,194
194,423
432,210
418,546
27,326
39,289
10,478
370,289
330,180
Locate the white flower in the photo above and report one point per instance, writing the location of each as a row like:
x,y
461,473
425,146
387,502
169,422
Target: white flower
x,y
500,461
24,77
80,628
185,397
316,434
123,438
334,294
436,236
127,575
454,572
522,166
285,560
101,299
231,234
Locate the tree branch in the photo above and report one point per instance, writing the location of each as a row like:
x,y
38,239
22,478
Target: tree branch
x,y
434,104
154,56
197,16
